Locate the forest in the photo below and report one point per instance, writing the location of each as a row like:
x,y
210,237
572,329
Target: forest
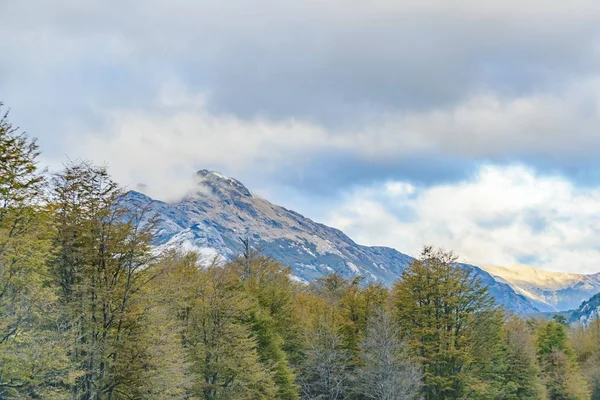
x,y
89,310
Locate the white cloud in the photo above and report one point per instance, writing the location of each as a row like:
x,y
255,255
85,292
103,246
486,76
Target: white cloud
x,y
161,145
501,215
161,148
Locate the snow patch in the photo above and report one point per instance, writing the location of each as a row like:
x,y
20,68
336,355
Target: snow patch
x,y
354,268
220,175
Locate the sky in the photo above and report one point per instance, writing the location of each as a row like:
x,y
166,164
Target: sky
x,y
470,125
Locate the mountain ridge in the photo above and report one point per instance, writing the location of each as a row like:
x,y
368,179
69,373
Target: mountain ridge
x,y
220,210
548,290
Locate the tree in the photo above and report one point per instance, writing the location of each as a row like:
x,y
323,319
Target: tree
x,y
31,362
522,372
324,371
387,372
558,364
505,364
223,353
586,344
323,366
357,304
100,269
437,305
333,286
267,283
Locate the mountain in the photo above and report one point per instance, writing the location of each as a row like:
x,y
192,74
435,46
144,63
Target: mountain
x,y
587,312
549,291
221,210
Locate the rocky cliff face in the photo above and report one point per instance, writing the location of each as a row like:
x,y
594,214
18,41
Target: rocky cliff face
x,y
587,312
212,219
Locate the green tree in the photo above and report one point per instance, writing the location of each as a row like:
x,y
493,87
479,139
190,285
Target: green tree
x,y
437,304
32,364
559,367
522,372
489,362
100,269
505,364
222,351
357,304
267,282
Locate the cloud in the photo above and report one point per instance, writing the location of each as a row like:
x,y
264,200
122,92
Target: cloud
x,y
501,215
383,85
163,147
327,61
162,144
305,99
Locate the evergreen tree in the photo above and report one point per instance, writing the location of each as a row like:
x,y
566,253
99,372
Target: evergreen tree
x,y
505,365
437,304
171,298
357,304
489,362
89,311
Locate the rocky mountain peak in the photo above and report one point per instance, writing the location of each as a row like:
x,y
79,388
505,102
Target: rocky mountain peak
x,y
213,182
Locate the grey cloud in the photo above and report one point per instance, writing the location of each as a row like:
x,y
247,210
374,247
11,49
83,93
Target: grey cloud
x,y
417,90
329,171
317,60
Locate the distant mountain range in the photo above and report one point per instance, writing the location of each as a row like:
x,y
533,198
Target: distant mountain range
x,y
212,218
548,291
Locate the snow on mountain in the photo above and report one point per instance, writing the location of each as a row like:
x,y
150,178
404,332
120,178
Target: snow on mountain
x,y
587,312
549,291
212,218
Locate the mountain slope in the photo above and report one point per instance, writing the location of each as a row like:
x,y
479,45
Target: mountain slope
x,y
549,291
212,219
587,312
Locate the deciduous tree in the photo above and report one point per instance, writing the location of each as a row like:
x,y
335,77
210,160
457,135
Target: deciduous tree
x,y
387,371
32,363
